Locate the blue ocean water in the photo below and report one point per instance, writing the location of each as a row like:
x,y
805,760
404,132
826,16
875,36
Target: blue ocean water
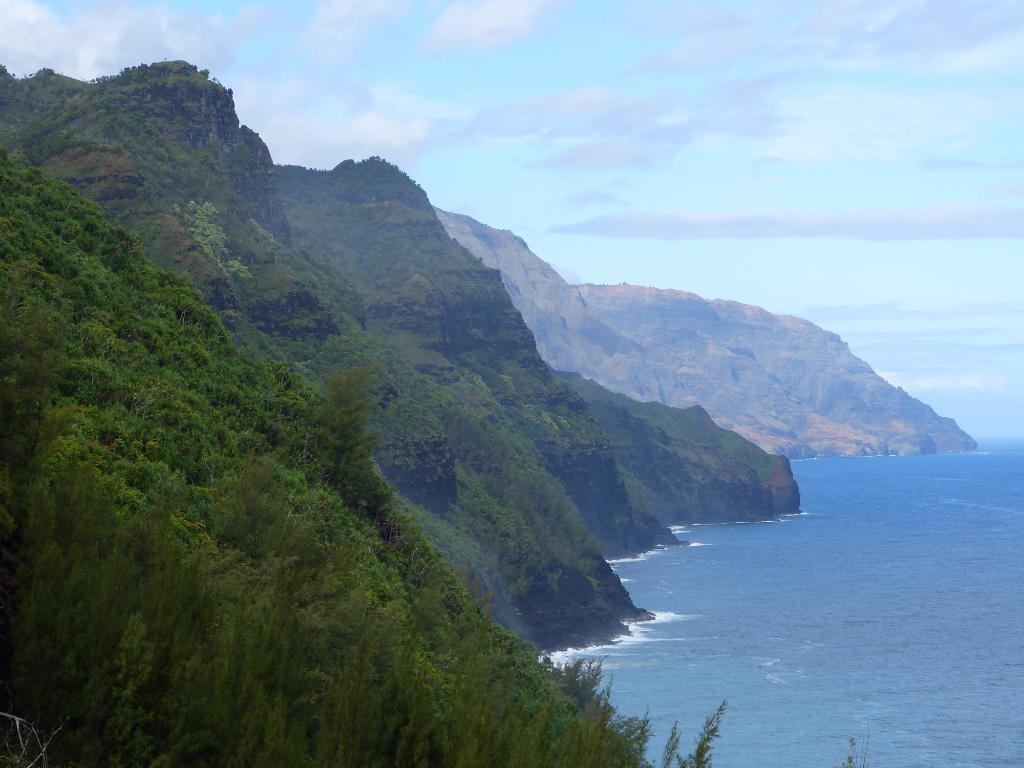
x,y
893,611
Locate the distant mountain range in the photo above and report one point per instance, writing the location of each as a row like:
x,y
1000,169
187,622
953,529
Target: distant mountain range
x,y
780,381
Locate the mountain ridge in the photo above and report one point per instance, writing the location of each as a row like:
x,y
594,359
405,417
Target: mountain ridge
x,y
161,149
683,467
779,380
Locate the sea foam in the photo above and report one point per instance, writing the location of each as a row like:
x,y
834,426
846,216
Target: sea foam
x,y
636,632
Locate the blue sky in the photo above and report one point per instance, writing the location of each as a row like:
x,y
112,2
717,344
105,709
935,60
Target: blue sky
x,y
856,162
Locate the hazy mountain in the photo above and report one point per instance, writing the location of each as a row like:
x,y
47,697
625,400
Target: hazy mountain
x,y
782,382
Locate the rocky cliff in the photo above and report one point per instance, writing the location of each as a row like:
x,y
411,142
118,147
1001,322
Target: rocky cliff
x,y
682,467
452,319
781,382
148,143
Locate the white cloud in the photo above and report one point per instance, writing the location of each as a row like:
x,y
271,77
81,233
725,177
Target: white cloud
x,y
485,23
937,222
712,38
104,38
603,128
337,24
1013,189
833,121
940,36
594,113
940,163
306,123
604,156
303,119
402,104
301,140
782,116
596,197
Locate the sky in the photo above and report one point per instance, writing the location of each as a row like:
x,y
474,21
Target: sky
x,y
859,163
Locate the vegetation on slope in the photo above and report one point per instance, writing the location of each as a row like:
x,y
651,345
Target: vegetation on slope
x,y
198,561
452,319
684,468
160,148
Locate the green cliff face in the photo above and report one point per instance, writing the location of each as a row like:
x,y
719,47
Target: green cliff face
x,y
511,476
148,143
199,563
682,467
452,319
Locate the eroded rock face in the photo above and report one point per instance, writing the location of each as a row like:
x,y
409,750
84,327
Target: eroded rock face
x,y
470,415
377,227
574,614
172,98
780,381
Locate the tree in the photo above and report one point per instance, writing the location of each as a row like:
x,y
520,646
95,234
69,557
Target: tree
x,y
342,426
701,755
202,220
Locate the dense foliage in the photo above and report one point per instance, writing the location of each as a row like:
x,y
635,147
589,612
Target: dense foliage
x,y
200,562
508,473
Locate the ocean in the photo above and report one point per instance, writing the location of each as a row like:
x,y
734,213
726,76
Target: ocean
x,y
892,611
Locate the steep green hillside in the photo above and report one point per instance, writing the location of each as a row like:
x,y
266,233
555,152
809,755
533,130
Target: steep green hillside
x,y
199,564
161,149
452,319
508,470
684,468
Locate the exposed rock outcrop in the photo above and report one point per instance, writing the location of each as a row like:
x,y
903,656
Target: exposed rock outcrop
x,y
455,320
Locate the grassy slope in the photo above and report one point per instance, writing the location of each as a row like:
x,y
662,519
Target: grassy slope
x,y
198,562
146,143
684,467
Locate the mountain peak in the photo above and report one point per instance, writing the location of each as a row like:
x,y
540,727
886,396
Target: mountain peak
x,y
166,68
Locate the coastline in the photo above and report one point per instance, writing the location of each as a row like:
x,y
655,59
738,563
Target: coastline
x,y
896,455
634,626
767,605
563,655
635,631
